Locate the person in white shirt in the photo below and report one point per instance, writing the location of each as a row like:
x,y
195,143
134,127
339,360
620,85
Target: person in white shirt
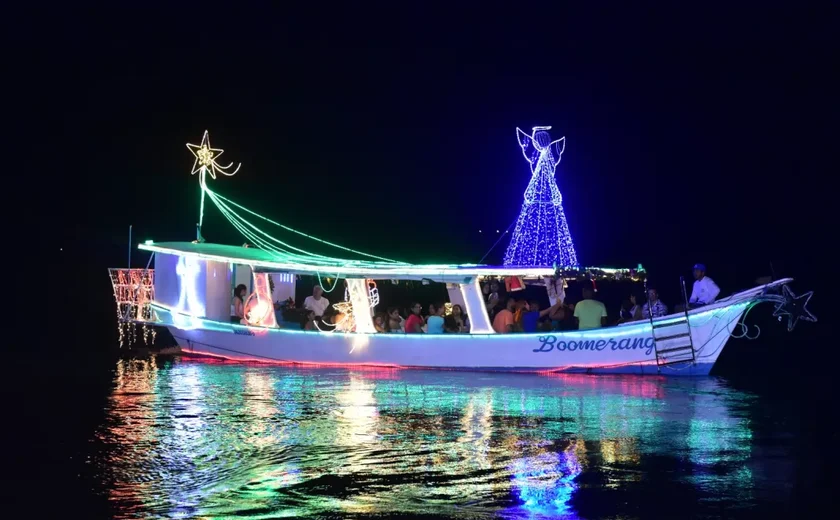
x,y
704,291
316,303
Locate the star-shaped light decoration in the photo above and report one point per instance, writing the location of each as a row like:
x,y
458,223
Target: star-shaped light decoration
x,y
206,156
794,307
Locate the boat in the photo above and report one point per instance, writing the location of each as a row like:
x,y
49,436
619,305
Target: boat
x,y
188,292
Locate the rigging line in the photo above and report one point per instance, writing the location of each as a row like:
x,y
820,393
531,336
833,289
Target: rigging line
x,y
498,240
240,222
327,261
287,228
306,257
284,255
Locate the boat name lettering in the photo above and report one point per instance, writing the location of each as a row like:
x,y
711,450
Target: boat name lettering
x,y
549,343
243,332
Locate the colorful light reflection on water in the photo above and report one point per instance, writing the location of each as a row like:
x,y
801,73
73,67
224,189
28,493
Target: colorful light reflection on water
x,y
187,439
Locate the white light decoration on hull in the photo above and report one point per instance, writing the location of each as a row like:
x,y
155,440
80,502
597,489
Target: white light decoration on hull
x,y
188,270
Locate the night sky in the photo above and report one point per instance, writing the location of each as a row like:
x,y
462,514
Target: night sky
x,y
690,136
694,133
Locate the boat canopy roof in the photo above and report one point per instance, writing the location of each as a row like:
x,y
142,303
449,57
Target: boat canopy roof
x,y
267,261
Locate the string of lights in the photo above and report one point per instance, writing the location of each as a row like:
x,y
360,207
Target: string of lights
x,y
280,249
316,239
283,250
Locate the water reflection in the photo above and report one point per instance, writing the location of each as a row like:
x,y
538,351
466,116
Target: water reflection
x,y
212,440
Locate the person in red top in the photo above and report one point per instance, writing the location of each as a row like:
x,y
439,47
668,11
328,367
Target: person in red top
x,y
503,322
414,323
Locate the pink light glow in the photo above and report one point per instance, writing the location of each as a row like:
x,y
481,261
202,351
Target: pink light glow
x,y
578,366
642,389
311,364
647,387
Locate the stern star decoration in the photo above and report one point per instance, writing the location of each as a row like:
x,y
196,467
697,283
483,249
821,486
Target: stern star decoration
x,y
794,307
206,156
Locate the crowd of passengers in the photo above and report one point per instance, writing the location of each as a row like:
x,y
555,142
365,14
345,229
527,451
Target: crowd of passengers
x,y
509,315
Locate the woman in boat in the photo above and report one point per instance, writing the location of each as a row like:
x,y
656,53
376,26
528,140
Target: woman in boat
x,y
630,310
326,323
395,321
561,317
432,312
309,321
434,323
379,323
238,303
494,301
460,322
414,323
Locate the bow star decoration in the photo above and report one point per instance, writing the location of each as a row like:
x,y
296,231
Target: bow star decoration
x,y
794,307
206,156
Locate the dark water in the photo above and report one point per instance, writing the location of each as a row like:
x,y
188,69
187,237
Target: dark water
x,y
190,439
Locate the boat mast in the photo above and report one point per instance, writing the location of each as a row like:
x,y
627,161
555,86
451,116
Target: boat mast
x,y
129,245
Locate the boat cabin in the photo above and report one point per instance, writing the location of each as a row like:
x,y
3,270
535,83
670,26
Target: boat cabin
x,y
198,279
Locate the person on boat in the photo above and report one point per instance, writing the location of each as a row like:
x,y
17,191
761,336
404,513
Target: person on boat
x,y
532,318
316,302
434,323
630,310
432,312
414,322
379,323
459,320
561,315
589,313
503,322
704,290
395,321
494,299
238,303
309,321
326,323
521,308
654,306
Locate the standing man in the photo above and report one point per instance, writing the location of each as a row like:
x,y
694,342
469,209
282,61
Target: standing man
x,y
316,303
589,313
704,290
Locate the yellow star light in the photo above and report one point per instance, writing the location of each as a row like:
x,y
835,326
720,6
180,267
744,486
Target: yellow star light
x,y
206,156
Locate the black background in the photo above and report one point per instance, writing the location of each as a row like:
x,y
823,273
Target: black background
x,y
693,134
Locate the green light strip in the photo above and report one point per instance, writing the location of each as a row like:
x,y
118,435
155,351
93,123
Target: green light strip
x,y
283,254
287,228
451,273
238,222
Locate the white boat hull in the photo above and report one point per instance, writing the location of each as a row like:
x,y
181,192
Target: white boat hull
x,y
626,349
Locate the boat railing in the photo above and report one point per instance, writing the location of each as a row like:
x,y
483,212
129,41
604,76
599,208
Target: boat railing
x,y
672,340
134,291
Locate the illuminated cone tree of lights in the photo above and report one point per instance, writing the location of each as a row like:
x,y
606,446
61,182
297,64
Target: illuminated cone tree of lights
x,y
541,236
